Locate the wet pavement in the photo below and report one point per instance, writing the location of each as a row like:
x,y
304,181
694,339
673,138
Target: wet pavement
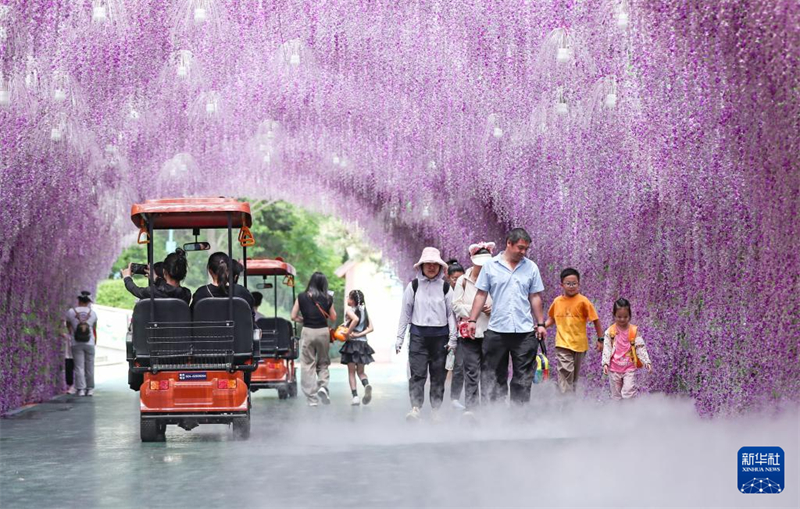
x,y
86,452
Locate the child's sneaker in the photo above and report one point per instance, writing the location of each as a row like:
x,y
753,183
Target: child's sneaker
x,y
323,396
356,401
457,404
413,415
367,394
72,390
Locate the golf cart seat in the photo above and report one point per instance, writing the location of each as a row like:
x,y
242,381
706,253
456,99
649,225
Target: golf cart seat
x,y
276,338
165,311
215,338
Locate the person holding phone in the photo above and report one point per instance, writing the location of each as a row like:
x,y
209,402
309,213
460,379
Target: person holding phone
x,y
167,284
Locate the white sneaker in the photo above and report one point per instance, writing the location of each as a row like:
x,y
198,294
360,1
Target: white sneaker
x,y
413,415
72,390
312,403
367,394
457,404
81,392
323,396
89,392
356,401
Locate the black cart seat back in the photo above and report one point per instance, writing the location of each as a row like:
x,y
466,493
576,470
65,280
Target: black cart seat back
x,y
165,311
276,337
217,309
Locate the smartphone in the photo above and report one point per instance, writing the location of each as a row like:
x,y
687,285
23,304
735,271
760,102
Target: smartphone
x,y
138,268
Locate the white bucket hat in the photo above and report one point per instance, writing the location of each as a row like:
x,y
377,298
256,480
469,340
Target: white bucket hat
x,y
430,255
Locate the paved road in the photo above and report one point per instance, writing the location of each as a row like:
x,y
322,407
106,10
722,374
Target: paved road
x,y
85,452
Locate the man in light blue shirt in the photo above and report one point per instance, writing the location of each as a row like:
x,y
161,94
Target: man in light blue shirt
x,y
515,285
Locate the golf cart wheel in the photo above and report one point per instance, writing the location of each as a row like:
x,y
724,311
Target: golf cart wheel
x,y
149,430
293,389
283,393
241,427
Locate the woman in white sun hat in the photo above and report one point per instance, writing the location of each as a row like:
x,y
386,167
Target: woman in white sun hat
x,y
472,348
428,309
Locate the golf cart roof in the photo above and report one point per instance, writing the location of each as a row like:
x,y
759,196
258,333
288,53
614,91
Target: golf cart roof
x,y
268,267
187,213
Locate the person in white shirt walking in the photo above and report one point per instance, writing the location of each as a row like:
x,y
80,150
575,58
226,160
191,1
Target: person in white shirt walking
x,y
471,348
428,311
82,325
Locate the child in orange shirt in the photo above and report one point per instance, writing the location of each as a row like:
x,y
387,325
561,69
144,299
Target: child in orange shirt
x,y
570,312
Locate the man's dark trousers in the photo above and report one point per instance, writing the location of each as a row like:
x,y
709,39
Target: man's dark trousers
x,y
496,348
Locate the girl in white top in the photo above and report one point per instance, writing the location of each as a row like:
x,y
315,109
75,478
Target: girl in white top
x,y
356,352
463,297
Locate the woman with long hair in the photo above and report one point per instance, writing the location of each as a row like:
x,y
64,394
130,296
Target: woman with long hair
x,y
219,267
313,308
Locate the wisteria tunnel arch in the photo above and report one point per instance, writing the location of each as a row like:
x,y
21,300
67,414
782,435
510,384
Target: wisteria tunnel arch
x,y
652,144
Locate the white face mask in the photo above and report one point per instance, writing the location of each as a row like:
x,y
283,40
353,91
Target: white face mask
x,y
481,259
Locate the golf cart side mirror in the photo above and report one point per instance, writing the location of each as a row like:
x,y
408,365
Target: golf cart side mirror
x,y
196,246
264,286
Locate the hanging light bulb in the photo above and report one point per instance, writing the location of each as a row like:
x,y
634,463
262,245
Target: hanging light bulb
x,y
211,107
56,135
611,100
561,37
99,12
5,95
426,211
497,132
60,95
622,19
561,104
182,71
343,163
294,59
200,15
267,158
133,114
336,160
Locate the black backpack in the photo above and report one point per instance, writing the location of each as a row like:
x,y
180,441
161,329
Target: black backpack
x,y
415,286
83,333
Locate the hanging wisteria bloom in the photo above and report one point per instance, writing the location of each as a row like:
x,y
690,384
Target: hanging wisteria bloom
x,y
651,144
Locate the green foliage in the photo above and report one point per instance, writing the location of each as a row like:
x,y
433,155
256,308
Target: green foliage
x,y
112,292
307,240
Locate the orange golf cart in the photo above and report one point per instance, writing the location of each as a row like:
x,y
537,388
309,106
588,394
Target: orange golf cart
x,y
279,343
190,366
